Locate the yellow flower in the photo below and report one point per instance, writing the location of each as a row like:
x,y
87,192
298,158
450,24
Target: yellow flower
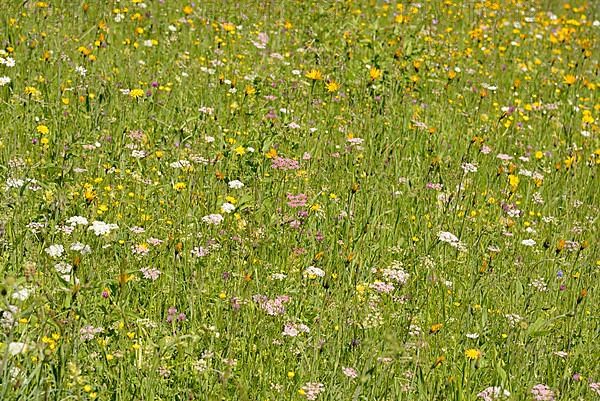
x,y
473,353
272,153
240,150
42,129
375,73
179,186
136,93
229,27
569,79
30,90
332,86
250,90
513,180
315,75
587,117
187,10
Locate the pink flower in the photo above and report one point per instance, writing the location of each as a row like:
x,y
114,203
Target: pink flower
x,y
282,163
350,372
297,200
150,273
541,392
312,390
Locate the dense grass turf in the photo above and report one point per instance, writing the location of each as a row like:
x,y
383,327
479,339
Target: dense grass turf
x,y
290,200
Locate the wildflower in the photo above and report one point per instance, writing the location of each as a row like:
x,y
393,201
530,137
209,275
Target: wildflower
x,y
140,249
81,70
375,73
452,240
272,307
199,252
55,251
382,287
332,86
82,248
214,219
77,221
315,75
350,372
136,93
42,129
15,348
150,273
513,319
396,273
179,186
21,294
282,163
312,390
101,228
469,167
569,79
435,328
528,242
227,207
293,330
595,387
313,272
295,201
541,392
4,80
473,354
89,332
236,184
539,285
493,393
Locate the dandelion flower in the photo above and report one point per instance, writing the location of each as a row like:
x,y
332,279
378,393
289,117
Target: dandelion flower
x,y
315,75
473,354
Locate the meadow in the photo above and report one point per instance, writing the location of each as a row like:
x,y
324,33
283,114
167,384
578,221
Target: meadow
x,y
299,200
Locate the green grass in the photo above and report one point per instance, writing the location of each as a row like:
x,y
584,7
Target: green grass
x,y
419,200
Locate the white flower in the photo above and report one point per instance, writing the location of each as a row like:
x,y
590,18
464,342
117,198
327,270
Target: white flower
x,y
448,237
79,247
63,268
473,336
469,167
278,276
4,80
55,251
138,154
355,141
313,272
21,294
236,184
14,183
81,70
214,219
528,242
101,228
16,348
227,207
9,62
77,221
180,164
